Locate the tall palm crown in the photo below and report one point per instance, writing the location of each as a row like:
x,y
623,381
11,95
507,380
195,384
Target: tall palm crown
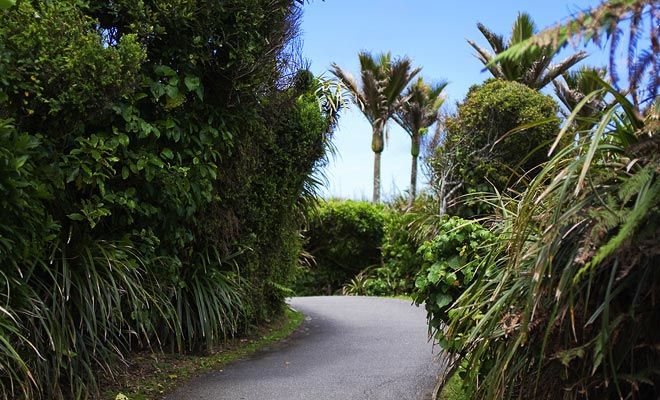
x,y
534,69
418,110
378,96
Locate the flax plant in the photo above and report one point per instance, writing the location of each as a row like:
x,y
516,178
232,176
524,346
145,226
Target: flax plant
x,y
209,301
84,309
565,305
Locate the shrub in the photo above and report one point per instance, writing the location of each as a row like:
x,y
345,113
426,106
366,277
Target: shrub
x,y
400,259
567,305
481,152
344,236
153,162
452,260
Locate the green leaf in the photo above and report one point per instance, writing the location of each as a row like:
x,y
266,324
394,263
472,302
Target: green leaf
x,y
76,216
167,153
20,161
164,70
442,300
124,172
435,272
172,92
123,139
455,262
72,176
7,4
451,279
192,82
421,282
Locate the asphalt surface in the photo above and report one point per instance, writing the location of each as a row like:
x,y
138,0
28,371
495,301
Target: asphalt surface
x,y
348,348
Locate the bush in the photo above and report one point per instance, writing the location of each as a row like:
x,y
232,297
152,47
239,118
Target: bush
x,y
389,265
480,152
452,260
344,237
563,304
401,260
153,161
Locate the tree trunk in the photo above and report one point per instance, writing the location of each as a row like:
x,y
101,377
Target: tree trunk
x,y
377,147
413,182
414,151
376,177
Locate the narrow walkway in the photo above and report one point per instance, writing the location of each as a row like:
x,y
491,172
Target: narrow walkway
x,y
349,348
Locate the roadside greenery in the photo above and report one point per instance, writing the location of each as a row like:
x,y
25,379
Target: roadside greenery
x,y
499,136
158,167
561,303
538,246
452,261
342,237
361,248
156,164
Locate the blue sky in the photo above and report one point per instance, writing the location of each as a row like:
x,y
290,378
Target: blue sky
x,y
433,34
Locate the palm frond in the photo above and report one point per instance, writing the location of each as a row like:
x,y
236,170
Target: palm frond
x,y
590,26
485,57
495,41
555,70
532,65
523,28
349,81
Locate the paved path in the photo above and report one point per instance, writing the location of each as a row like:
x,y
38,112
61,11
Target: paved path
x,y
348,348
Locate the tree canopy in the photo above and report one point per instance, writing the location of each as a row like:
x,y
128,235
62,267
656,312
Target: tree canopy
x,y
416,113
535,68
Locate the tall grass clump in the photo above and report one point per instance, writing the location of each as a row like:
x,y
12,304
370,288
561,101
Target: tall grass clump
x,y
563,303
84,311
566,303
210,302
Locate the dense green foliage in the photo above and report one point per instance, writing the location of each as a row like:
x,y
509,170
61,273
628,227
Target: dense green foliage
x,y
484,147
154,161
401,259
395,275
362,249
157,161
566,303
558,298
344,238
451,262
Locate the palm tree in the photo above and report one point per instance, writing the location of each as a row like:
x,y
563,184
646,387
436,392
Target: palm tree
x,y
576,85
534,68
418,111
611,20
383,81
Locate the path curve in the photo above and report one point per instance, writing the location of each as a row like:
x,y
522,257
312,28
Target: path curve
x,y
348,348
